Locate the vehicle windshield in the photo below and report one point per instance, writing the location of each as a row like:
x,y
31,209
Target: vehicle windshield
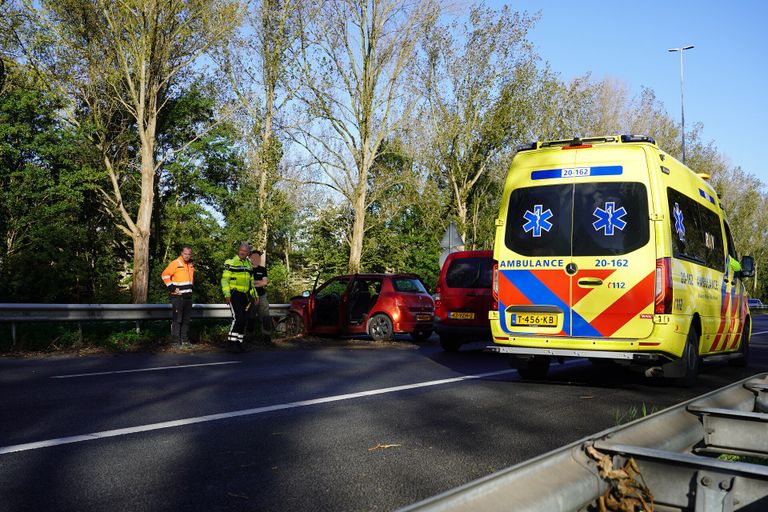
x,y
408,285
470,273
585,219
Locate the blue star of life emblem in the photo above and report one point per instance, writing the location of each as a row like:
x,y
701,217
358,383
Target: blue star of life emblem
x,y
538,220
679,227
609,218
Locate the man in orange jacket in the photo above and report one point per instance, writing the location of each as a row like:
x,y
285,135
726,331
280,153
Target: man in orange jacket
x,y
178,277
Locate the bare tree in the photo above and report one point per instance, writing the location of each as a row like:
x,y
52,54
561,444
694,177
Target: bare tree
x,y
120,62
480,78
257,63
357,90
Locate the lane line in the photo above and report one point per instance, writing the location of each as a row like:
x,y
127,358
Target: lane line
x,y
761,332
155,369
245,412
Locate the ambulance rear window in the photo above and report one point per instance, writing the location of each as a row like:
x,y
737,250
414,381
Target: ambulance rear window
x,y
609,218
602,219
539,221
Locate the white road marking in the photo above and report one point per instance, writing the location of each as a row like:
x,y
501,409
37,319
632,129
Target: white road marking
x,y
249,412
235,414
155,369
761,332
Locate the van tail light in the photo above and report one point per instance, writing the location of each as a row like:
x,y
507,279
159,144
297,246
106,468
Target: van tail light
x,y
495,287
663,286
437,296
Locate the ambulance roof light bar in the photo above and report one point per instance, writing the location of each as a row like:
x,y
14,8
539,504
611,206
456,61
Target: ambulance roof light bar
x,y
638,138
585,142
576,142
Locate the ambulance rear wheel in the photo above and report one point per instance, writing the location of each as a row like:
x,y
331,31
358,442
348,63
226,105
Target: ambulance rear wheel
x,y
743,359
691,360
535,368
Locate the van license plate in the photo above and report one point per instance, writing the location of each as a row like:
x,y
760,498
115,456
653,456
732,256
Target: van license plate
x,y
423,318
534,320
461,315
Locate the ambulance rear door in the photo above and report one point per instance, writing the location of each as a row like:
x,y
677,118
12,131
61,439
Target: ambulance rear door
x,y
613,262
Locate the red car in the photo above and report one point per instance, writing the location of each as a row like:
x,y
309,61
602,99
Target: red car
x,y
463,298
380,305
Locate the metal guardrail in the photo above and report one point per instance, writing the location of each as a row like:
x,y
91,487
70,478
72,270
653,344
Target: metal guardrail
x,y
672,451
19,313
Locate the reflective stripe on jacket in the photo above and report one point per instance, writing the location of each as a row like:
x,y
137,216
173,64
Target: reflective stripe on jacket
x,y
237,276
179,275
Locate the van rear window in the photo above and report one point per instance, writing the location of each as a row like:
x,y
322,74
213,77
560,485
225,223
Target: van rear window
x,y
583,219
469,273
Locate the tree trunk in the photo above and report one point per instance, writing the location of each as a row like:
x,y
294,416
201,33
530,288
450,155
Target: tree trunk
x,y
461,212
266,161
287,254
358,229
144,218
139,287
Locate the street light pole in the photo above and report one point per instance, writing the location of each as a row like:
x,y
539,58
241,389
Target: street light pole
x,y
682,106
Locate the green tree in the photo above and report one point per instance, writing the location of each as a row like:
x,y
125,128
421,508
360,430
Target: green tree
x,y
55,248
120,63
193,188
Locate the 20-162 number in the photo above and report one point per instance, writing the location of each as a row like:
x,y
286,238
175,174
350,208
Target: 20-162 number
x,y
611,263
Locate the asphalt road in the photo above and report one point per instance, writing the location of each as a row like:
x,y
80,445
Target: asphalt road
x,y
325,429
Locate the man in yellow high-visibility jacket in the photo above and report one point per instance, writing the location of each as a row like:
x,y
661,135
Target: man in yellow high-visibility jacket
x,y
237,285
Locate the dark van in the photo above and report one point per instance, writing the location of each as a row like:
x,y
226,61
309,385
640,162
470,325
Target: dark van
x,y
463,299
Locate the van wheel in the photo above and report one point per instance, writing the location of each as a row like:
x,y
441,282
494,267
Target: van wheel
x,y
421,335
450,344
535,368
380,328
691,360
743,359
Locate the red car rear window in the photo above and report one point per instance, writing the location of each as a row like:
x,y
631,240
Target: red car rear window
x,y
408,285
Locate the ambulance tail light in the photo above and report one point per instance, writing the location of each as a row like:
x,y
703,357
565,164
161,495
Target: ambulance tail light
x,y
495,287
663,286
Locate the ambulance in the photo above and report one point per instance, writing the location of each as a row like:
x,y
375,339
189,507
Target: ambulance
x,y
608,248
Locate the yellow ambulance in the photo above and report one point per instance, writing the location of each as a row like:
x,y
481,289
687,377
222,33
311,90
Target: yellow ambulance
x,y
608,248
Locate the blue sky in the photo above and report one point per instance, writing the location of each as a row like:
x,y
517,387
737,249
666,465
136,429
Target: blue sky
x,y
726,74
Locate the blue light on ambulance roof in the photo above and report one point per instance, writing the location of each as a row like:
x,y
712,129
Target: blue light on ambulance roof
x,y
707,197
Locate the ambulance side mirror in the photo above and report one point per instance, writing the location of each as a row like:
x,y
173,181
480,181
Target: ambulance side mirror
x,y
747,266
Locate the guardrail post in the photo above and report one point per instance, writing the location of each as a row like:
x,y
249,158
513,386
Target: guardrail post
x,y
13,333
138,327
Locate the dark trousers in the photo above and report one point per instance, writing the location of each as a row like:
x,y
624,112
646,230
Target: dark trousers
x,y
182,312
238,304
258,314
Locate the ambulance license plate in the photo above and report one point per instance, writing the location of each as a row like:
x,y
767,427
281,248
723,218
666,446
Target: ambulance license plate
x,y
461,315
535,319
423,318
